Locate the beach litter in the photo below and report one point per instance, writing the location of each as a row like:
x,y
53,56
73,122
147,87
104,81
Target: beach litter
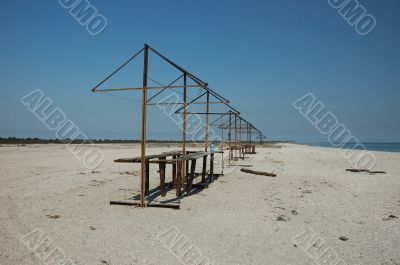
x,y
390,217
259,173
365,170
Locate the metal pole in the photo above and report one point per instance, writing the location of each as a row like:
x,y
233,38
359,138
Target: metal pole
x,y
184,123
222,133
240,131
143,140
248,147
235,129
240,138
249,134
184,115
236,135
230,135
207,110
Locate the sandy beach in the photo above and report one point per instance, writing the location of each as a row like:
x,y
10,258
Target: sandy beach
x,y
240,219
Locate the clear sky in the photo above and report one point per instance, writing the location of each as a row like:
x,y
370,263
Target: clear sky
x,y
261,55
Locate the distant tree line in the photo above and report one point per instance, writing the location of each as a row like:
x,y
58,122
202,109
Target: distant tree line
x,y
15,140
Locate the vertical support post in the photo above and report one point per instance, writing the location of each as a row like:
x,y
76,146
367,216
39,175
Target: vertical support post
x,y
230,135
240,131
240,138
174,172
147,184
222,132
183,171
207,110
204,170
179,179
189,185
162,177
247,133
222,164
247,137
212,167
143,135
186,171
236,135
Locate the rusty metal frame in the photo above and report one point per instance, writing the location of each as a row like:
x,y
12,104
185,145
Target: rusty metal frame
x,y
208,92
239,125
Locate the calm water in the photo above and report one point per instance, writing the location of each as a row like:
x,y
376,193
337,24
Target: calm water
x,y
386,147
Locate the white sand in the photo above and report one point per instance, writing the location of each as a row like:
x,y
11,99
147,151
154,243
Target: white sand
x,y
232,222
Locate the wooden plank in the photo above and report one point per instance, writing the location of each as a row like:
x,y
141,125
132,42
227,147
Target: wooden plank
x,y
260,173
138,159
172,153
190,156
171,205
365,170
157,156
357,170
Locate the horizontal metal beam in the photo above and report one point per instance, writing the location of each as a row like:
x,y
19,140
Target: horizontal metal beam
x,y
202,113
182,103
150,87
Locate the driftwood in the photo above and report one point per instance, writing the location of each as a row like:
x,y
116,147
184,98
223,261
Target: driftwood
x,y
357,170
377,172
365,170
233,165
260,173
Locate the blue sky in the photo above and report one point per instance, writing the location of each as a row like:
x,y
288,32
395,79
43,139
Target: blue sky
x,y
261,55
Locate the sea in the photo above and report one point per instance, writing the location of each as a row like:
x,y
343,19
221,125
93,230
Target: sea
x,y
385,147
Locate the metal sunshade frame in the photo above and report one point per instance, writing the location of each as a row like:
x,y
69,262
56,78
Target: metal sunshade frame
x,y
230,123
183,110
